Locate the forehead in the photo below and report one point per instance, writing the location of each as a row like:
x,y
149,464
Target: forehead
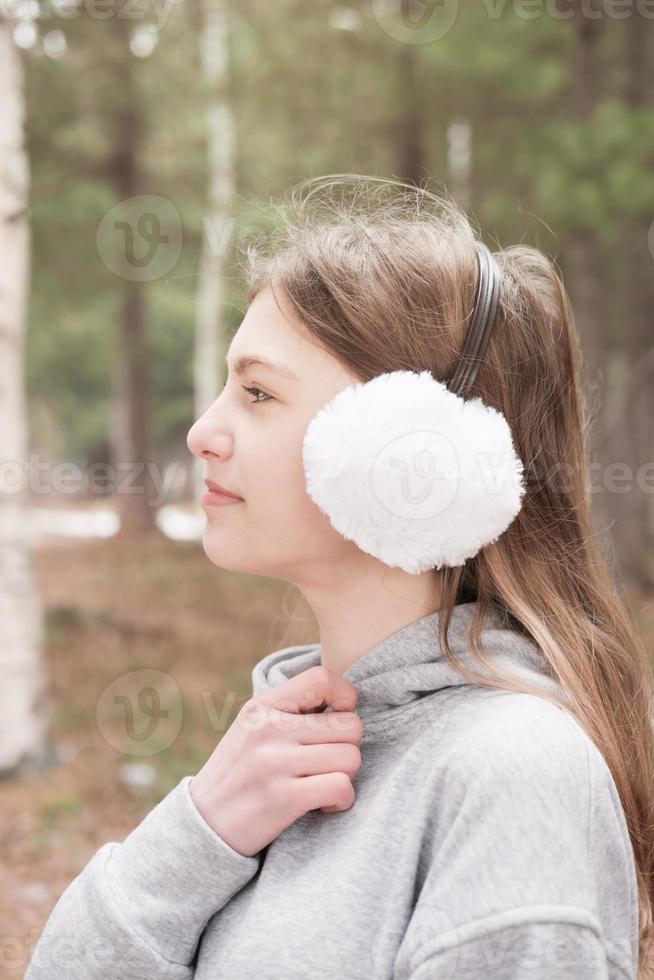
x,y
279,335
274,334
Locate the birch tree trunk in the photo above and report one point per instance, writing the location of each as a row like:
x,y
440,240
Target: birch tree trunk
x,y
22,718
210,333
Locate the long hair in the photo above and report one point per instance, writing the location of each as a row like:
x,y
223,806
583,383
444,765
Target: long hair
x,y
383,274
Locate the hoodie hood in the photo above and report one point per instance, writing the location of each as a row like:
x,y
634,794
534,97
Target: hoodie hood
x,y
409,664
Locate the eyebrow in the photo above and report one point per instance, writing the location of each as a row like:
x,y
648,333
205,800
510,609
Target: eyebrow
x,y
241,364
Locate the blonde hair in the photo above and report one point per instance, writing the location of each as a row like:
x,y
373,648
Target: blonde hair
x,y
383,274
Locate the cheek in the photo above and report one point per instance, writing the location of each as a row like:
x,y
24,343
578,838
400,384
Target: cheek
x,y
278,496
279,522
283,474
269,465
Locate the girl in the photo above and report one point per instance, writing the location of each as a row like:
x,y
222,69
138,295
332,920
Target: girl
x,y
477,798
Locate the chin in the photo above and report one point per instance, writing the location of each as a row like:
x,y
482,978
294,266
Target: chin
x,y
223,555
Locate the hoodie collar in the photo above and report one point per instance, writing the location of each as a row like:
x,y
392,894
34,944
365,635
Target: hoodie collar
x,y
410,663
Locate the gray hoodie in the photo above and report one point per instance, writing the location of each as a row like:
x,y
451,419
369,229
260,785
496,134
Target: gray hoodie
x,y
486,840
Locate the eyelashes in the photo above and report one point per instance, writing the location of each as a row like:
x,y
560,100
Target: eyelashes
x,y
252,390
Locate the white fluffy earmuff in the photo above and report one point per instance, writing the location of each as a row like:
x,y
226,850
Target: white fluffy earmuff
x,y
411,472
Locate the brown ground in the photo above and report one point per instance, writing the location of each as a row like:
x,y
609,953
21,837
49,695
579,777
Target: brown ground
x,y
111,607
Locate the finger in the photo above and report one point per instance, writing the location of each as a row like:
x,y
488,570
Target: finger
x,y
309,760
336,726
330,789
309,690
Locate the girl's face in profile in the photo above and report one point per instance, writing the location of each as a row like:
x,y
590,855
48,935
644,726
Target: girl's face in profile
x,y
251,443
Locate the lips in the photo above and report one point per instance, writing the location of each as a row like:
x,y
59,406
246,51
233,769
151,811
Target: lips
x,y
216,487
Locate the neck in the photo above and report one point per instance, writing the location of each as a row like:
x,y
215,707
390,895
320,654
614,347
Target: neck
x,y
358,610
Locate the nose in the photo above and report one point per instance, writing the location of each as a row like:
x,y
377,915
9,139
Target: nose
x,y
206,439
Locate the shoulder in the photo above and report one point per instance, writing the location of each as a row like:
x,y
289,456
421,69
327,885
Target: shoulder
x,y
514,733
526,798
513,739
517,760
516,767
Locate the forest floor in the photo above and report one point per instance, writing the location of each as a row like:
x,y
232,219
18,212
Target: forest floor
x,y
113,608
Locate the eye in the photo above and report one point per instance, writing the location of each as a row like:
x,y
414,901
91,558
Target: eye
x,y
251,391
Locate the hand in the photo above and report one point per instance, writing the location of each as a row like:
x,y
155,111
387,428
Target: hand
x,y
280,758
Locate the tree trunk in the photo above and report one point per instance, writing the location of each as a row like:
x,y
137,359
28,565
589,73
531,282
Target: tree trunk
x,y
633,427
131,429
134,484
23,721
409,126
583,253
210,332
582,260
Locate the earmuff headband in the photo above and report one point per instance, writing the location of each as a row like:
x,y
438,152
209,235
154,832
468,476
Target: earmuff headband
x,y
488,294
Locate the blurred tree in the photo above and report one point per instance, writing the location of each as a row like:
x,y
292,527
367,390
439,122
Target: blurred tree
x,y
22,715
410,130
582,245
633,428
131,432
219,221
584,255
